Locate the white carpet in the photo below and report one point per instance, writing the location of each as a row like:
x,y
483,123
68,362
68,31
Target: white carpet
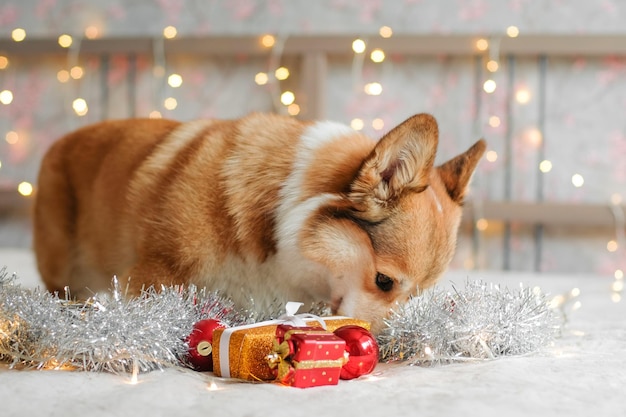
x,y
583,374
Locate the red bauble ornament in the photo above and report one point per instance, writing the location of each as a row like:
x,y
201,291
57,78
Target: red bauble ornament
x,y
200,342
362,349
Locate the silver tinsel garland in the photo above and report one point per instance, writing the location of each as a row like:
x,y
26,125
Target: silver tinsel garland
x,y
117,334
106,333
481,321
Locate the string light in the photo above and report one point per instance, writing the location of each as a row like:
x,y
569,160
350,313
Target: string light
x,y
92,32
63,76
170,103
80,106
522,95
492,65
281,73
18,34
287,98
357,124
616,199
6,97
25,188
612,246
377,55
545,166
170,32
293,109
482,44
155,114
491,156
482,224
77,72
12,137
619,274
358,46
4,62
373,89
533,136
175,80
268,41
65,40
385,32
578,180
494,121
261,78
378,124
489,86
512,31
134,376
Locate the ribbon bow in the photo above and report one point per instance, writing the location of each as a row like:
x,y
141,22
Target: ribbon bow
x,y
278,359
297,320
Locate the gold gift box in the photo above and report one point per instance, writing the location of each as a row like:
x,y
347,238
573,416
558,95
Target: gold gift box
x,y
249,346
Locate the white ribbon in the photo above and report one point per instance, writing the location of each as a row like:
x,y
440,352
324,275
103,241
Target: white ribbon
x,y
290,317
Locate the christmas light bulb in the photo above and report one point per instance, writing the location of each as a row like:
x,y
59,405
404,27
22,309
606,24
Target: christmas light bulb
x,y
378,124
80,106
6,97
261,78
25,188
385,32
4,62
170,32
287,98
170,103
358,46
612,246
545,166
63,76
512,31
578,180
373,89
175,80
522,96
65,40
77,72
18,34
492,65
12,137
616,199
377,55
482,44
92,32
357,124
268,41
491,156
293,109
489,86
281,73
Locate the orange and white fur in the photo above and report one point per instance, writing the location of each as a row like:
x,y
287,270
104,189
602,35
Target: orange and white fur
x,y
265,208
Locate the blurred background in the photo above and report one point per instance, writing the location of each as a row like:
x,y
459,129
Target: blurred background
x,y
543,81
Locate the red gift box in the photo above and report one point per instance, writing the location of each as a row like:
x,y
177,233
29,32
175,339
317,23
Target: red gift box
x,y
307,356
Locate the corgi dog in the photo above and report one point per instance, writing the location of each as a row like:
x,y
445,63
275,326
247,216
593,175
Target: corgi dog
x,y
264,208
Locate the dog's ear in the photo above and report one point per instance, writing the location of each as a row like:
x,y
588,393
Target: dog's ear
x,y
457,172
400,162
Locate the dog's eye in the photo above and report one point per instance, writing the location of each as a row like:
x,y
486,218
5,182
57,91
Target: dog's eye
x,y
384,282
